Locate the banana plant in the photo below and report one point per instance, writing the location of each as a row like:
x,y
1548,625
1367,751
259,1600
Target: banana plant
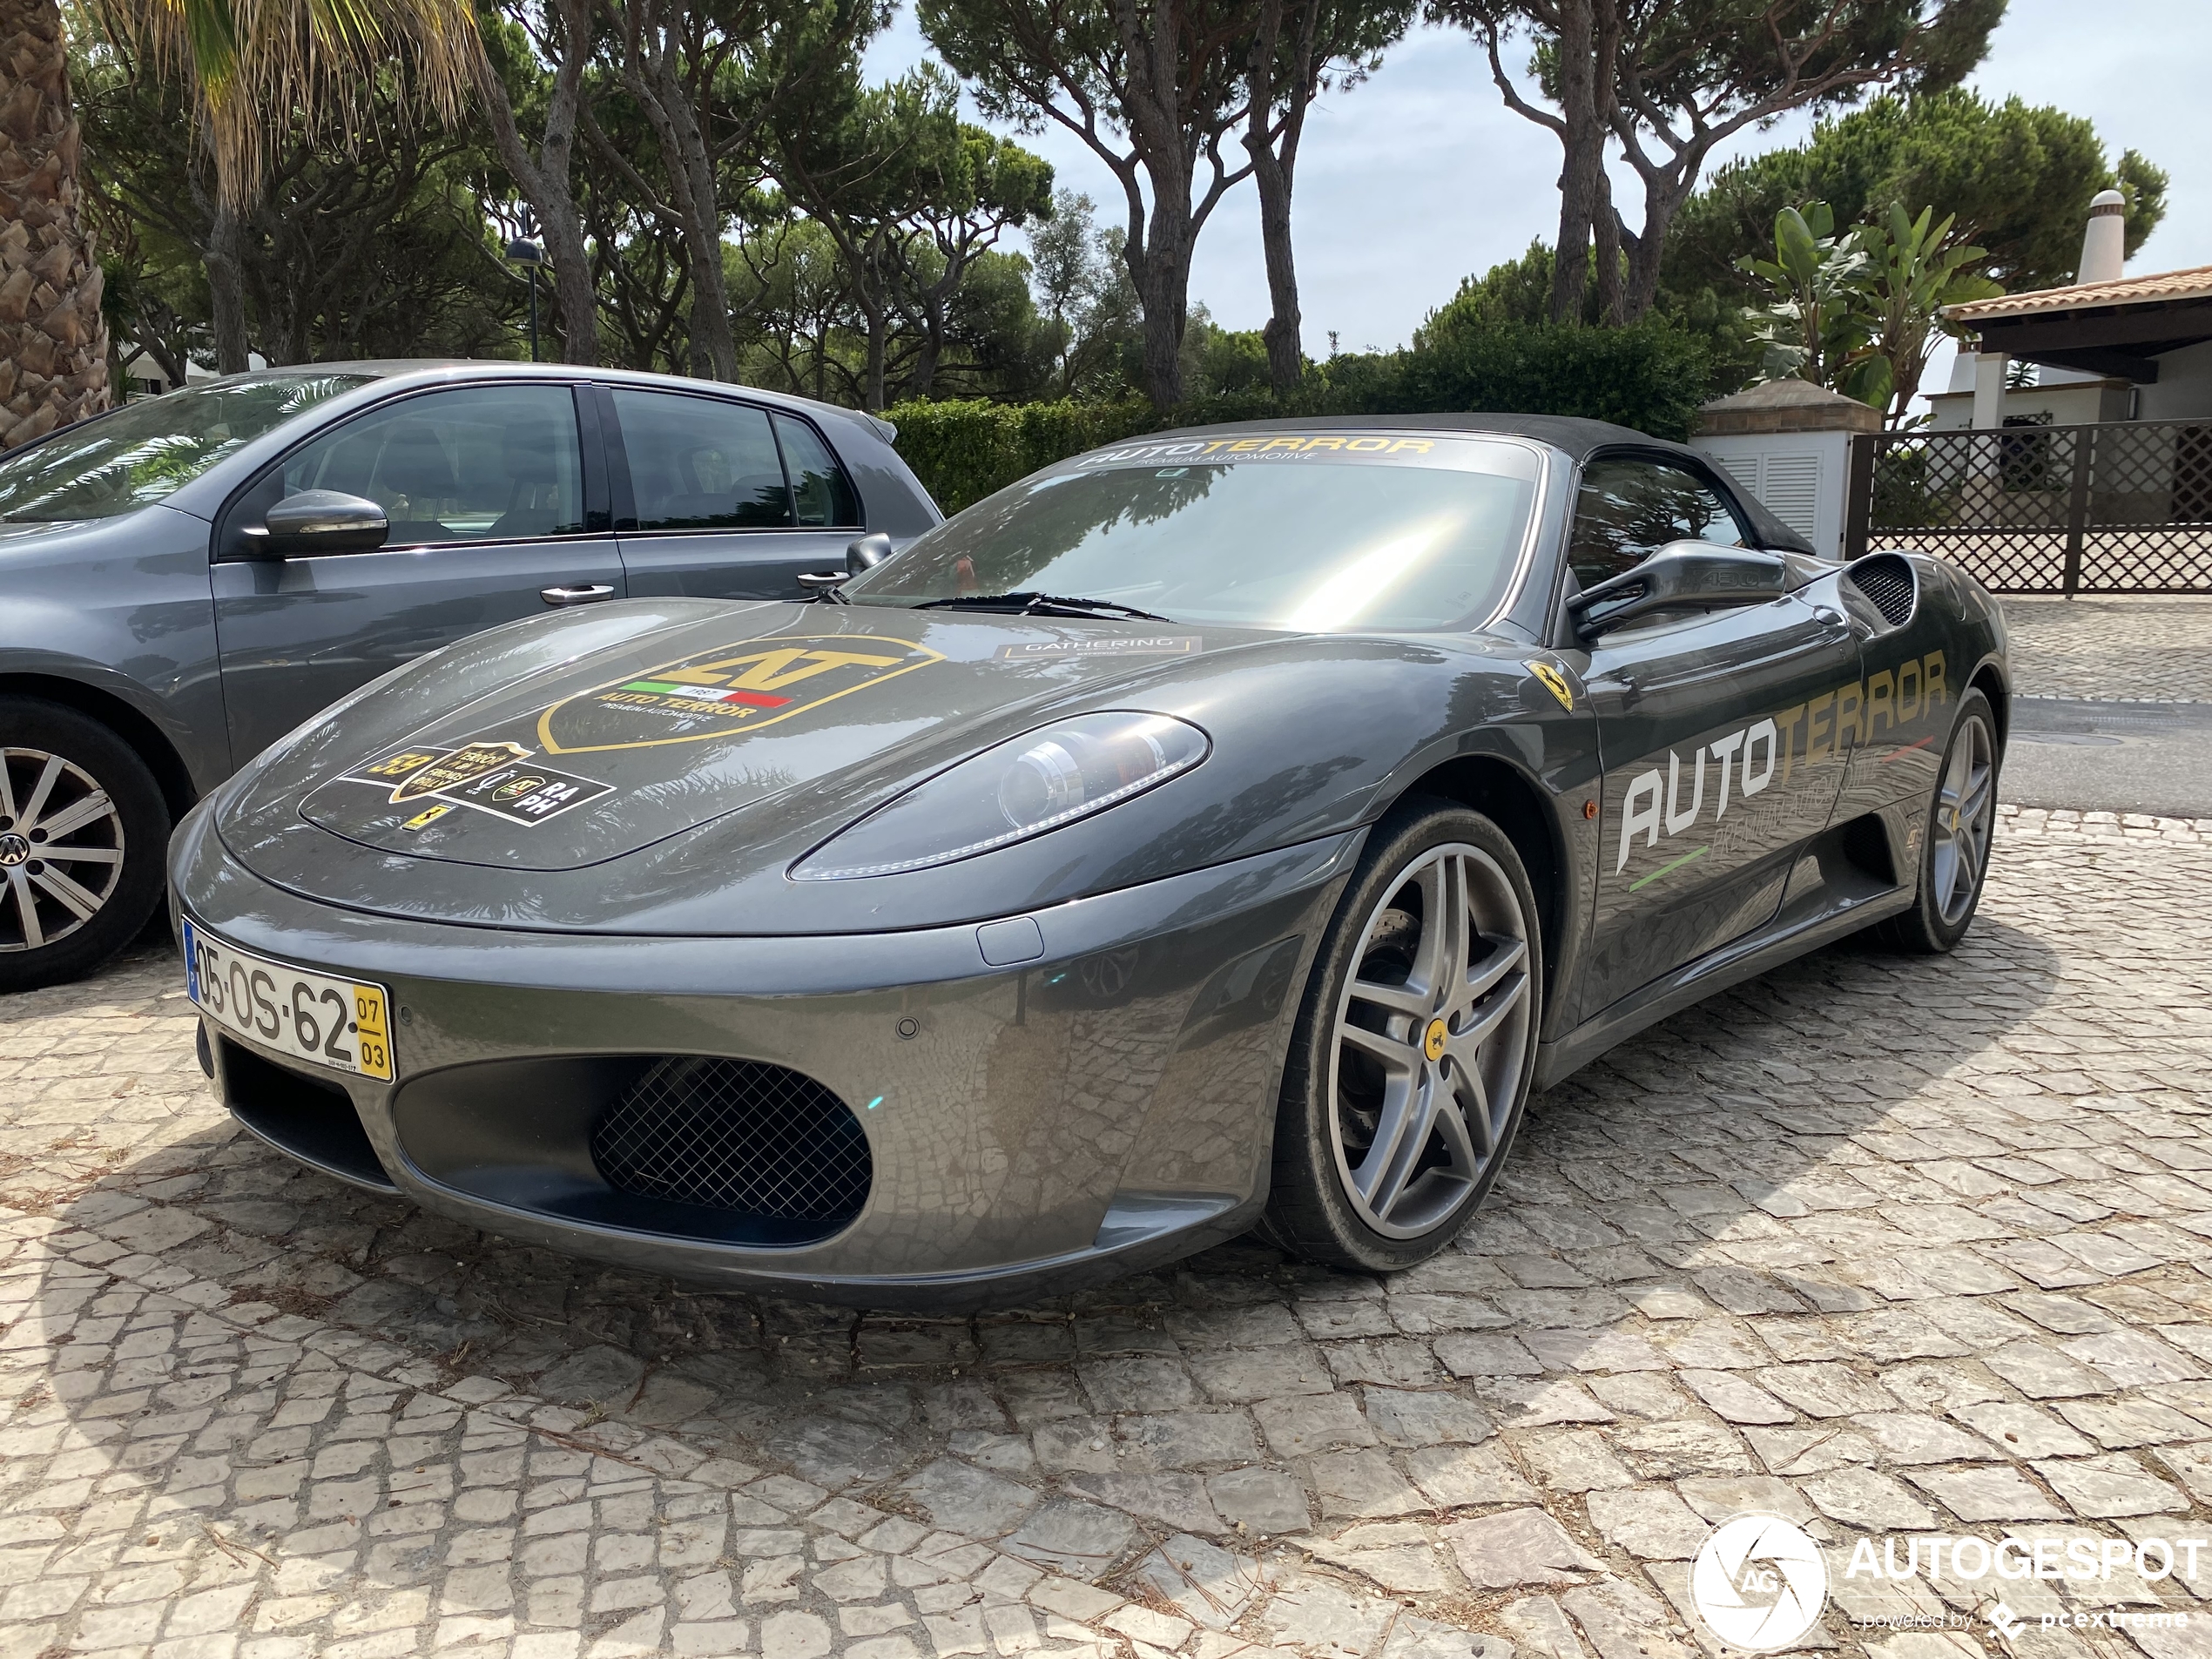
x,y
1816,320
1858,312
1913,270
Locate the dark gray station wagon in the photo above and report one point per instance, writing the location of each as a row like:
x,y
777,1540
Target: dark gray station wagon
x,y
185,579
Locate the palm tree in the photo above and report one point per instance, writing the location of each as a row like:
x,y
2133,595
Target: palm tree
x,y
53,341
255,66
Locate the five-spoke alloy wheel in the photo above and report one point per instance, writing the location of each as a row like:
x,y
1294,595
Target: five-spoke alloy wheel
x,y
1415,1044
1954,847
81,828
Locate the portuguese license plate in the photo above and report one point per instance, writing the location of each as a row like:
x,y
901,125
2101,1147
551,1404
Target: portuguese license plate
x,y
335,1022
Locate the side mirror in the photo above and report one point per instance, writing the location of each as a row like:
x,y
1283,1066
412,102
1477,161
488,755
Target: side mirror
x,y
319,521
1681,576
866,553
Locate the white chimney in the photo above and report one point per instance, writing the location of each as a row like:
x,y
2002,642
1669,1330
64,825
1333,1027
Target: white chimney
x,y
2104,242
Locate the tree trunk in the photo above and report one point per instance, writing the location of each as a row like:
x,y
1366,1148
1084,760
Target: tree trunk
x,y
1582,174
1605,225
53,339
1663,195
575,300
1285,347
1273,172
878,331
650,73
226,261
1159,268
544,180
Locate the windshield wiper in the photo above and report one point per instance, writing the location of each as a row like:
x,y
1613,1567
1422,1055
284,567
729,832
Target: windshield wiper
x,y
1043,604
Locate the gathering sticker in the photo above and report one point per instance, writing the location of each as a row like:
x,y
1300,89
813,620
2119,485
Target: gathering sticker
x,y
1127,645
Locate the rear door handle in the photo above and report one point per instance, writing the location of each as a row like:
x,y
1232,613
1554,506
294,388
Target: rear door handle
x,y
583,594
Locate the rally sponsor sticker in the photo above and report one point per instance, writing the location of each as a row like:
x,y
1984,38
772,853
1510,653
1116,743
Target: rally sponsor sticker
x,y
499,778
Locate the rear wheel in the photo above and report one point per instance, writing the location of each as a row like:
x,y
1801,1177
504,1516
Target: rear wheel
x,y
82,826
1962,822
1415,1045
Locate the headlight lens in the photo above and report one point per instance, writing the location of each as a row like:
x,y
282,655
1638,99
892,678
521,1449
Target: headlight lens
x,y
1022,787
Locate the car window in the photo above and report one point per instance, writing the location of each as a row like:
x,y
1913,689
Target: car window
x,y
477,464
1628,508
824,495
699,464
128,457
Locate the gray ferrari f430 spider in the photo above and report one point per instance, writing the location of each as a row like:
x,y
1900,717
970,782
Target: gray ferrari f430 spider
x,y
1221,829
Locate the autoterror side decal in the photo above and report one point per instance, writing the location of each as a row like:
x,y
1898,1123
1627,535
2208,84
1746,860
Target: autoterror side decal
x,y
719,692
1749,759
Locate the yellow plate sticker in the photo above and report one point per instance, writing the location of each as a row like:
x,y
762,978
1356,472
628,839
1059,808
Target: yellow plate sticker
x,y
372,1033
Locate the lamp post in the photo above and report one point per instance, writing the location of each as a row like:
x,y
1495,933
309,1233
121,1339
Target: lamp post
x,y
529,254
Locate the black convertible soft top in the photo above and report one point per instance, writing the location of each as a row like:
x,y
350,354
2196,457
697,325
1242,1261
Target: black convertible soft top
x,y
1577,438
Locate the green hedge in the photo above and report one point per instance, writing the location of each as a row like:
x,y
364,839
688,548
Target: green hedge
x,y
1651,377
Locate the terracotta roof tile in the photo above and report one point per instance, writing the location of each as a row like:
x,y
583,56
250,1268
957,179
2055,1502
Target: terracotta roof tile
x,y
2195,283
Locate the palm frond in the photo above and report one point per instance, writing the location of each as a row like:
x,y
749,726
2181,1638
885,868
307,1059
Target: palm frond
x,y
257,67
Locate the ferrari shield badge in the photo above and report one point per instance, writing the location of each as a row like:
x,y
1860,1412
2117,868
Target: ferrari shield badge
x,y
726,692
1554,682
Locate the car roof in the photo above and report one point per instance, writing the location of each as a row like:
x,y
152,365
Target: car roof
x,y
1577,437
432,370
1572,435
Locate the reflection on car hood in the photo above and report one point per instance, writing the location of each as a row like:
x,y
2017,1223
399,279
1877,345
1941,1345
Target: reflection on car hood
x,y
622,746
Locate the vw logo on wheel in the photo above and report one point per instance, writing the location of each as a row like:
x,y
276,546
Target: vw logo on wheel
x,y
1759,1582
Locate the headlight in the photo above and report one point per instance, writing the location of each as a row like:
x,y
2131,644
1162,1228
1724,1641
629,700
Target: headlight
x,y
1023,787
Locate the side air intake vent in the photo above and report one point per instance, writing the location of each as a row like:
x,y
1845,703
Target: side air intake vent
x,y
1888,580
739,1135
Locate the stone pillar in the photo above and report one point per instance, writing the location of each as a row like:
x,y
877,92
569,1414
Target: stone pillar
x,y
1989,390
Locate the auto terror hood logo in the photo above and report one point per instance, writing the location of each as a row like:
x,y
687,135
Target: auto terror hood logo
x,y
725,691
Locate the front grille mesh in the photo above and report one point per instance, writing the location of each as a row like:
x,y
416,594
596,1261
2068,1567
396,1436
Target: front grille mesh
x,y
1887,580
735,1135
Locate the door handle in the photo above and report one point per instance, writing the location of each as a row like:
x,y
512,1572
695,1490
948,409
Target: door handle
x,y
583,595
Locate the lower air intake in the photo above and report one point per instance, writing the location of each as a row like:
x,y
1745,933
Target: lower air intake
x,y
737,1135
1888,580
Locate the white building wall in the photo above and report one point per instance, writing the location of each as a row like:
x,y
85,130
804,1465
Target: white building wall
x,y
1798,476
2183,388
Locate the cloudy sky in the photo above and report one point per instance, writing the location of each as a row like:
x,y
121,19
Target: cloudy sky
x,y
1422,175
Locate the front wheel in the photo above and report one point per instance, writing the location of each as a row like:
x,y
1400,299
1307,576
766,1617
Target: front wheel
x,y
1955,847
1415,1045
83,826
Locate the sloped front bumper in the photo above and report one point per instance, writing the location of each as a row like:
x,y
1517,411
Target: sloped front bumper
x,y
1099,1107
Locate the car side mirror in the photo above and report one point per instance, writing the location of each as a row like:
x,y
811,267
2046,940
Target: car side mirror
x,y
1679,575
316,521
869,552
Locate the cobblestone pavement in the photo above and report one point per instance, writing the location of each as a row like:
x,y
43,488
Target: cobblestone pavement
x,y
1882,1244
2137,650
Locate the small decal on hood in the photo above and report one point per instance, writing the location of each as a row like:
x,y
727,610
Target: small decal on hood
x,y
500,777
726,690
470,761
1136,646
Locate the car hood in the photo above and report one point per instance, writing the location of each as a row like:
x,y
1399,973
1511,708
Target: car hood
x,y
658,766
628,746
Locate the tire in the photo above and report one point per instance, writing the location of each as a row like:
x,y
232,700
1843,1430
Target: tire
x,y
83,831
1954,851
1446,1056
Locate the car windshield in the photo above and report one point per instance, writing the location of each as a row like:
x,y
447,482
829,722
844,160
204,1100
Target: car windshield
x,y
1318,532
141,452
